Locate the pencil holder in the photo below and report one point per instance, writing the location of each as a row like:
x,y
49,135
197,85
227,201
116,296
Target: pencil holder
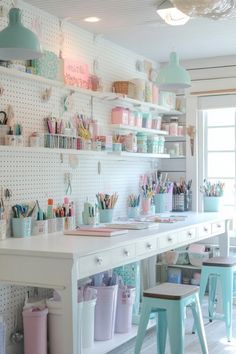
x,y
117,147
178,202
3,229
52,225
69,223
106,215
21,227
212,204
133,212
161,202
40,227
146,205
91,220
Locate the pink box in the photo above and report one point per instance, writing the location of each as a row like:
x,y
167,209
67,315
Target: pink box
x,y
138,119
156,123
120,115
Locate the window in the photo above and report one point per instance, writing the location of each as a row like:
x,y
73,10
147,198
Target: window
x,y
220,149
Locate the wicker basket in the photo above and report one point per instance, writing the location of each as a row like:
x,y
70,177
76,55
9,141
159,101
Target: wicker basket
x,y
125,88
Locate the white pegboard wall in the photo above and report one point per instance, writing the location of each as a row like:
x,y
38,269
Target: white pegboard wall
x,y
32,175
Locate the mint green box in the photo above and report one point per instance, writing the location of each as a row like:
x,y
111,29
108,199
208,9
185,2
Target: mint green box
x,y
47,66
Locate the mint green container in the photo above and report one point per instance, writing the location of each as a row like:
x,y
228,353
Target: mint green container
x,y
161,203
212,204
21,227
133,212
106,215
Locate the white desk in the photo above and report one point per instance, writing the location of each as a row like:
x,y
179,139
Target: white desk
x,y
57,261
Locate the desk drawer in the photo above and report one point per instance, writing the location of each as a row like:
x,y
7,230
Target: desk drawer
x,y
218,227
143,247
188,235
204,230
169,240
123,254
95,263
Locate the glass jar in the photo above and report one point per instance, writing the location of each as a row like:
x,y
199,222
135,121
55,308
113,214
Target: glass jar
x,y
142,143
173,126
161,144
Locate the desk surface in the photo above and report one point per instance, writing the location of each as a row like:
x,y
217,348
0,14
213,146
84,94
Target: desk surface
x,y
60,246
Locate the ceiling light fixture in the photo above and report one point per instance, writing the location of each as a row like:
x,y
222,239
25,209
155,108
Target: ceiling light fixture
x,y
173,77
214,9
171,15
92,19
17,41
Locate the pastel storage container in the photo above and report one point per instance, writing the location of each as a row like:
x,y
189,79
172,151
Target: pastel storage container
x,y
88,316
155,94
3,334
35,331
196,259
106,215
133,212
40,227
161,144
148,91
139,92
156,123
142,143
21,227
125,301
47,65
117,147
69,223
146,205
130,143
138,118
130,274
147,120
212,204
153,145
166,127
56,326
120,115
161,202
178,202
105,312
173,130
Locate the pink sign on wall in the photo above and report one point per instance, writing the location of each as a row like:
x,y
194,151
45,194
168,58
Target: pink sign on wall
x,y
76,73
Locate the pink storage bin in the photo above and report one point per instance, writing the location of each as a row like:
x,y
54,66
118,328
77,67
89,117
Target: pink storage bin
x,y
120,115
125,301
35,331
105,312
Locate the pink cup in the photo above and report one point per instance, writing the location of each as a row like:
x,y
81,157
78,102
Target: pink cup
x,y
146,205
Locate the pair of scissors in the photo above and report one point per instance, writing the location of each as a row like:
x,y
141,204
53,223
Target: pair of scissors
x,y
3,118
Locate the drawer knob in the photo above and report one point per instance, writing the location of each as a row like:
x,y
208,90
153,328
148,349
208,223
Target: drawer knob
x,y
205,229
126,253
169,239
189,234
149,246
99,260
219,226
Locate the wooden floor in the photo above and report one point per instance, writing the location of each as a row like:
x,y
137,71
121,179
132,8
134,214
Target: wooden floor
x,y
215,332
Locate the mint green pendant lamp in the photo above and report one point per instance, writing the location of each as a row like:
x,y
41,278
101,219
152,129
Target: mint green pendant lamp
x,y
173,77
18,42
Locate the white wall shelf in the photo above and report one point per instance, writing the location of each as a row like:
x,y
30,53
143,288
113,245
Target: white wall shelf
x,y
178,157
109,96
87,153
138,130
103,347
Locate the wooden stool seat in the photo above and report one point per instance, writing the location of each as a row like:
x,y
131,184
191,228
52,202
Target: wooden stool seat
x,y
171,291
220,262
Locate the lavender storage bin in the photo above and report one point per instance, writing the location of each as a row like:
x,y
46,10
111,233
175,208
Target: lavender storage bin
x,y
125,301
105,312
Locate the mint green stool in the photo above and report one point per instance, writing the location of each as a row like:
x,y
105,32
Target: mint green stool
x,y
222,269
169,302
